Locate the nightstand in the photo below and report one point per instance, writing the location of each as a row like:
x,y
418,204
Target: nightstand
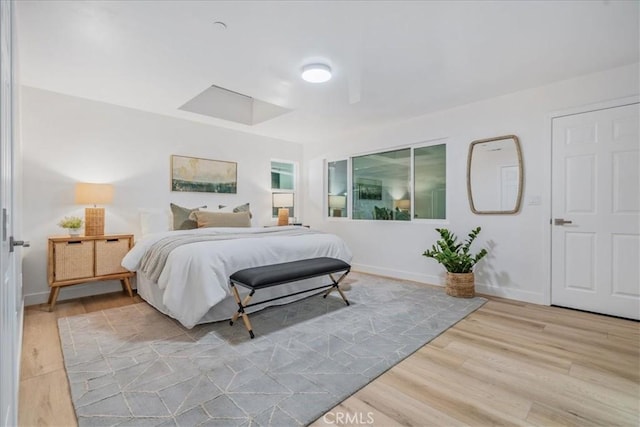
x,y
82,259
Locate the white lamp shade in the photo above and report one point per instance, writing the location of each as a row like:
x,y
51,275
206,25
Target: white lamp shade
x,y
93,194
404,204
337,202
282,200
316,73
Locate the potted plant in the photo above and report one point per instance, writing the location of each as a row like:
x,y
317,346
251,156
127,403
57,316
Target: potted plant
x,y
72,224
458,261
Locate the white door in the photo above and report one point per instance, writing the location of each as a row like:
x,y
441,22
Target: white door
x,y
10,286
596,211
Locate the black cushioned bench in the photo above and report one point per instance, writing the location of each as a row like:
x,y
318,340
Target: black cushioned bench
x,y
277,274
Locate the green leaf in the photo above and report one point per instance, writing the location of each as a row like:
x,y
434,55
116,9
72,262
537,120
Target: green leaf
x,y
454,256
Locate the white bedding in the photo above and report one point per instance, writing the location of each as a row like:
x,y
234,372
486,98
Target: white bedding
x,y
195,277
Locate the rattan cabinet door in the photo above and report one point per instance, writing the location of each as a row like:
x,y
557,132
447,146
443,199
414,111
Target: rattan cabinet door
x,y
109,254
73,259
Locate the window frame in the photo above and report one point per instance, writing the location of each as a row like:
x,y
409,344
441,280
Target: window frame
x,y
296,206
411,188
382,151
430,143
325,203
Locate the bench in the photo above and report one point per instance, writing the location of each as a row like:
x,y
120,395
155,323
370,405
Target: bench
x,y
267,276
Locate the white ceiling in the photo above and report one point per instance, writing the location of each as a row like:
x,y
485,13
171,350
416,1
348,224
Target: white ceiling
x,y
391,60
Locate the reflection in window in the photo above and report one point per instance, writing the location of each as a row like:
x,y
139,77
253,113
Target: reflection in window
x,y
337,188
282,178
381,183
430,183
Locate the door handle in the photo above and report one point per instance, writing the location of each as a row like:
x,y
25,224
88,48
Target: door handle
x,y
13,243
561,221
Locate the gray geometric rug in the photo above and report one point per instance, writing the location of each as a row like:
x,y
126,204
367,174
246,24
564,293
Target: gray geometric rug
x,y
133,366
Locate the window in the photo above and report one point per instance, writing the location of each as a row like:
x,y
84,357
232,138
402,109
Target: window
x,y
282,175
398,185
283,180
381,186
337,188
430,182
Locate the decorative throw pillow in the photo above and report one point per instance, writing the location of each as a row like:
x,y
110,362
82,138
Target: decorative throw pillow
x,y
240,208
222,219
181,219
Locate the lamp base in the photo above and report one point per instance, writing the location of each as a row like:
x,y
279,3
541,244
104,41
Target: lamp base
x,y
283,216
94,222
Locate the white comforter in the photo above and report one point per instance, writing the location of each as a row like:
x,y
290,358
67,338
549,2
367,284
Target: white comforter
x,y
196,276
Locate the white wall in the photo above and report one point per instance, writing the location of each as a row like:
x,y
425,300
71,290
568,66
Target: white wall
x,y
67,140
518,266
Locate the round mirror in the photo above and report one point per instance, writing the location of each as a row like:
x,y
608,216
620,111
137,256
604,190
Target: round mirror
x,y
494,175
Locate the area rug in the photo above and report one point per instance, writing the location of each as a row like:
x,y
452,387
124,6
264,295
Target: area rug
x,y
135,366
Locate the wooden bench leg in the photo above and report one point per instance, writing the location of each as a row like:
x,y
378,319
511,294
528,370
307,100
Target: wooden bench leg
x,y
241,312
236,295
247,324
336,285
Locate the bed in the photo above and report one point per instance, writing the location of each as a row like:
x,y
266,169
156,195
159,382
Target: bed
x,y
185,274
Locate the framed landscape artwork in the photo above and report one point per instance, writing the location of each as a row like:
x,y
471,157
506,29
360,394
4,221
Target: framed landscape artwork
x,y
203,175
369,189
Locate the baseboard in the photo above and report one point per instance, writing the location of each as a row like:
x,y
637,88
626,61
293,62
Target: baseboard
x,y
509,293
75,291
493,290
89,289
398,274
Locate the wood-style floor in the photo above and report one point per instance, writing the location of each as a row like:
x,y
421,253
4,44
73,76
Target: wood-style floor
x,y
508,363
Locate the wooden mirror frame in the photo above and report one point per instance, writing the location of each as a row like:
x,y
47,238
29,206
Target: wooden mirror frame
x,y
516,209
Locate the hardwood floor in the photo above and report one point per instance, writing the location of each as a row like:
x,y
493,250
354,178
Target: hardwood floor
x,y
508,363
45,399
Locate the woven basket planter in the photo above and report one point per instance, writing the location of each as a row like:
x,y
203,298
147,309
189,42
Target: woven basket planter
x,y
460,285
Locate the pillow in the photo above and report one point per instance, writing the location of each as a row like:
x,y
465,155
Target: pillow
x,y
222,219
181,219
154,221
239,208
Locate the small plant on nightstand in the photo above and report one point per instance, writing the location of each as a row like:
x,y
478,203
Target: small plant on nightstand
x,y
72,224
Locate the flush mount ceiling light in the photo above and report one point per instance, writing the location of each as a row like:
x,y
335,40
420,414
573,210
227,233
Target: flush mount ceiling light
x,y
316,73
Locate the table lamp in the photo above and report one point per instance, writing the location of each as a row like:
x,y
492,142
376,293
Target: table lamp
x,y
337,204
93,194
402,205
283,201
